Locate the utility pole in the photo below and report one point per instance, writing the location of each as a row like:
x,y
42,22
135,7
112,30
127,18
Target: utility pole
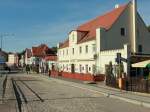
x,y
1,41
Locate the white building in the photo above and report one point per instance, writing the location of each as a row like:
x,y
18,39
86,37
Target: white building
x,y
91,46
22,61
48,63
28,55
13,59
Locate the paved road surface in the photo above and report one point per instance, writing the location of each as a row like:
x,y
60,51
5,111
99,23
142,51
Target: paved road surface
x,y
31,93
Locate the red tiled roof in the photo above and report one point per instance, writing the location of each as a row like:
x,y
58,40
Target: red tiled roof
x,y
65,44
105,21
40,51
51,58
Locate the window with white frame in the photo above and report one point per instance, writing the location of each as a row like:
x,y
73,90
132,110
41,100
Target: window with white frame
x,y
86,68
72,50
80,49
93,47
86,49
89,68
67,67
80,68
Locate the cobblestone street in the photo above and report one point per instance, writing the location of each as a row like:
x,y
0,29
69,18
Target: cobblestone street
x,y
32,93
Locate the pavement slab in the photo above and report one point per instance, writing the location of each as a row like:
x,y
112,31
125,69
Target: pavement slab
x,y
35,93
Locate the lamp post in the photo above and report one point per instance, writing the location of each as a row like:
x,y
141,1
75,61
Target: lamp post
x,y
1,41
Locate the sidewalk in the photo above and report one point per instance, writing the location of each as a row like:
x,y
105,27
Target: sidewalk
x,y
135,98
2,78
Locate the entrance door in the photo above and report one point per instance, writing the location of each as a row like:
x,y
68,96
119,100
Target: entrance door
x,y
72,68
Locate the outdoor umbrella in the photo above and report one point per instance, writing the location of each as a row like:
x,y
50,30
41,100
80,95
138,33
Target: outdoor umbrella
x,y
141,64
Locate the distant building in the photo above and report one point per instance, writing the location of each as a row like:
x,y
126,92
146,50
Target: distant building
x,y
40,52
3,58
37,57
22,61
27,56
3,55
48,63
13,59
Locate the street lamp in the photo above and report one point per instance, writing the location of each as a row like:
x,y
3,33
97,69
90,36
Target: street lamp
x,y
4,35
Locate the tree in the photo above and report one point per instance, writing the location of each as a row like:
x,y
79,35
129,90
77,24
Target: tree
x,y
54,49
120,69
109,69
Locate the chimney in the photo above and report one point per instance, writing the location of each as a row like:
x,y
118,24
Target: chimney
x,y
116,6
135,3
134,11
58,45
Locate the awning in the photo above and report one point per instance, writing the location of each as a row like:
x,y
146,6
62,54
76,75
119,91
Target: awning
x,y
142,64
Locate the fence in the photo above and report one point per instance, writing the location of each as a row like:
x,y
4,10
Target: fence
x,y
112,81
135,84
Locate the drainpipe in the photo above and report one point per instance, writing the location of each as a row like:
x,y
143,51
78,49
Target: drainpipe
x,y
134,12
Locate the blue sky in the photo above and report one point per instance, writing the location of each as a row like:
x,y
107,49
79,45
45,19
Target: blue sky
x,y
48,21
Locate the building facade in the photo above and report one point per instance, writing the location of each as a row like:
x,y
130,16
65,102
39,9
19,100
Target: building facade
x,y
93,45
13,59
3,59
27,56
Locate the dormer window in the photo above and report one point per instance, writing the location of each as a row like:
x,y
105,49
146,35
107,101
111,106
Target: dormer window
x,y
122,31
80,49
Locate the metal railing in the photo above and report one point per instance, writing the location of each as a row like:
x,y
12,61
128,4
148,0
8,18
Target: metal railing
x,y
135,84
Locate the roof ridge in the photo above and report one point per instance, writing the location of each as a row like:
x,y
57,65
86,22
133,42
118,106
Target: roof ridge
x,y
104,14
105,20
